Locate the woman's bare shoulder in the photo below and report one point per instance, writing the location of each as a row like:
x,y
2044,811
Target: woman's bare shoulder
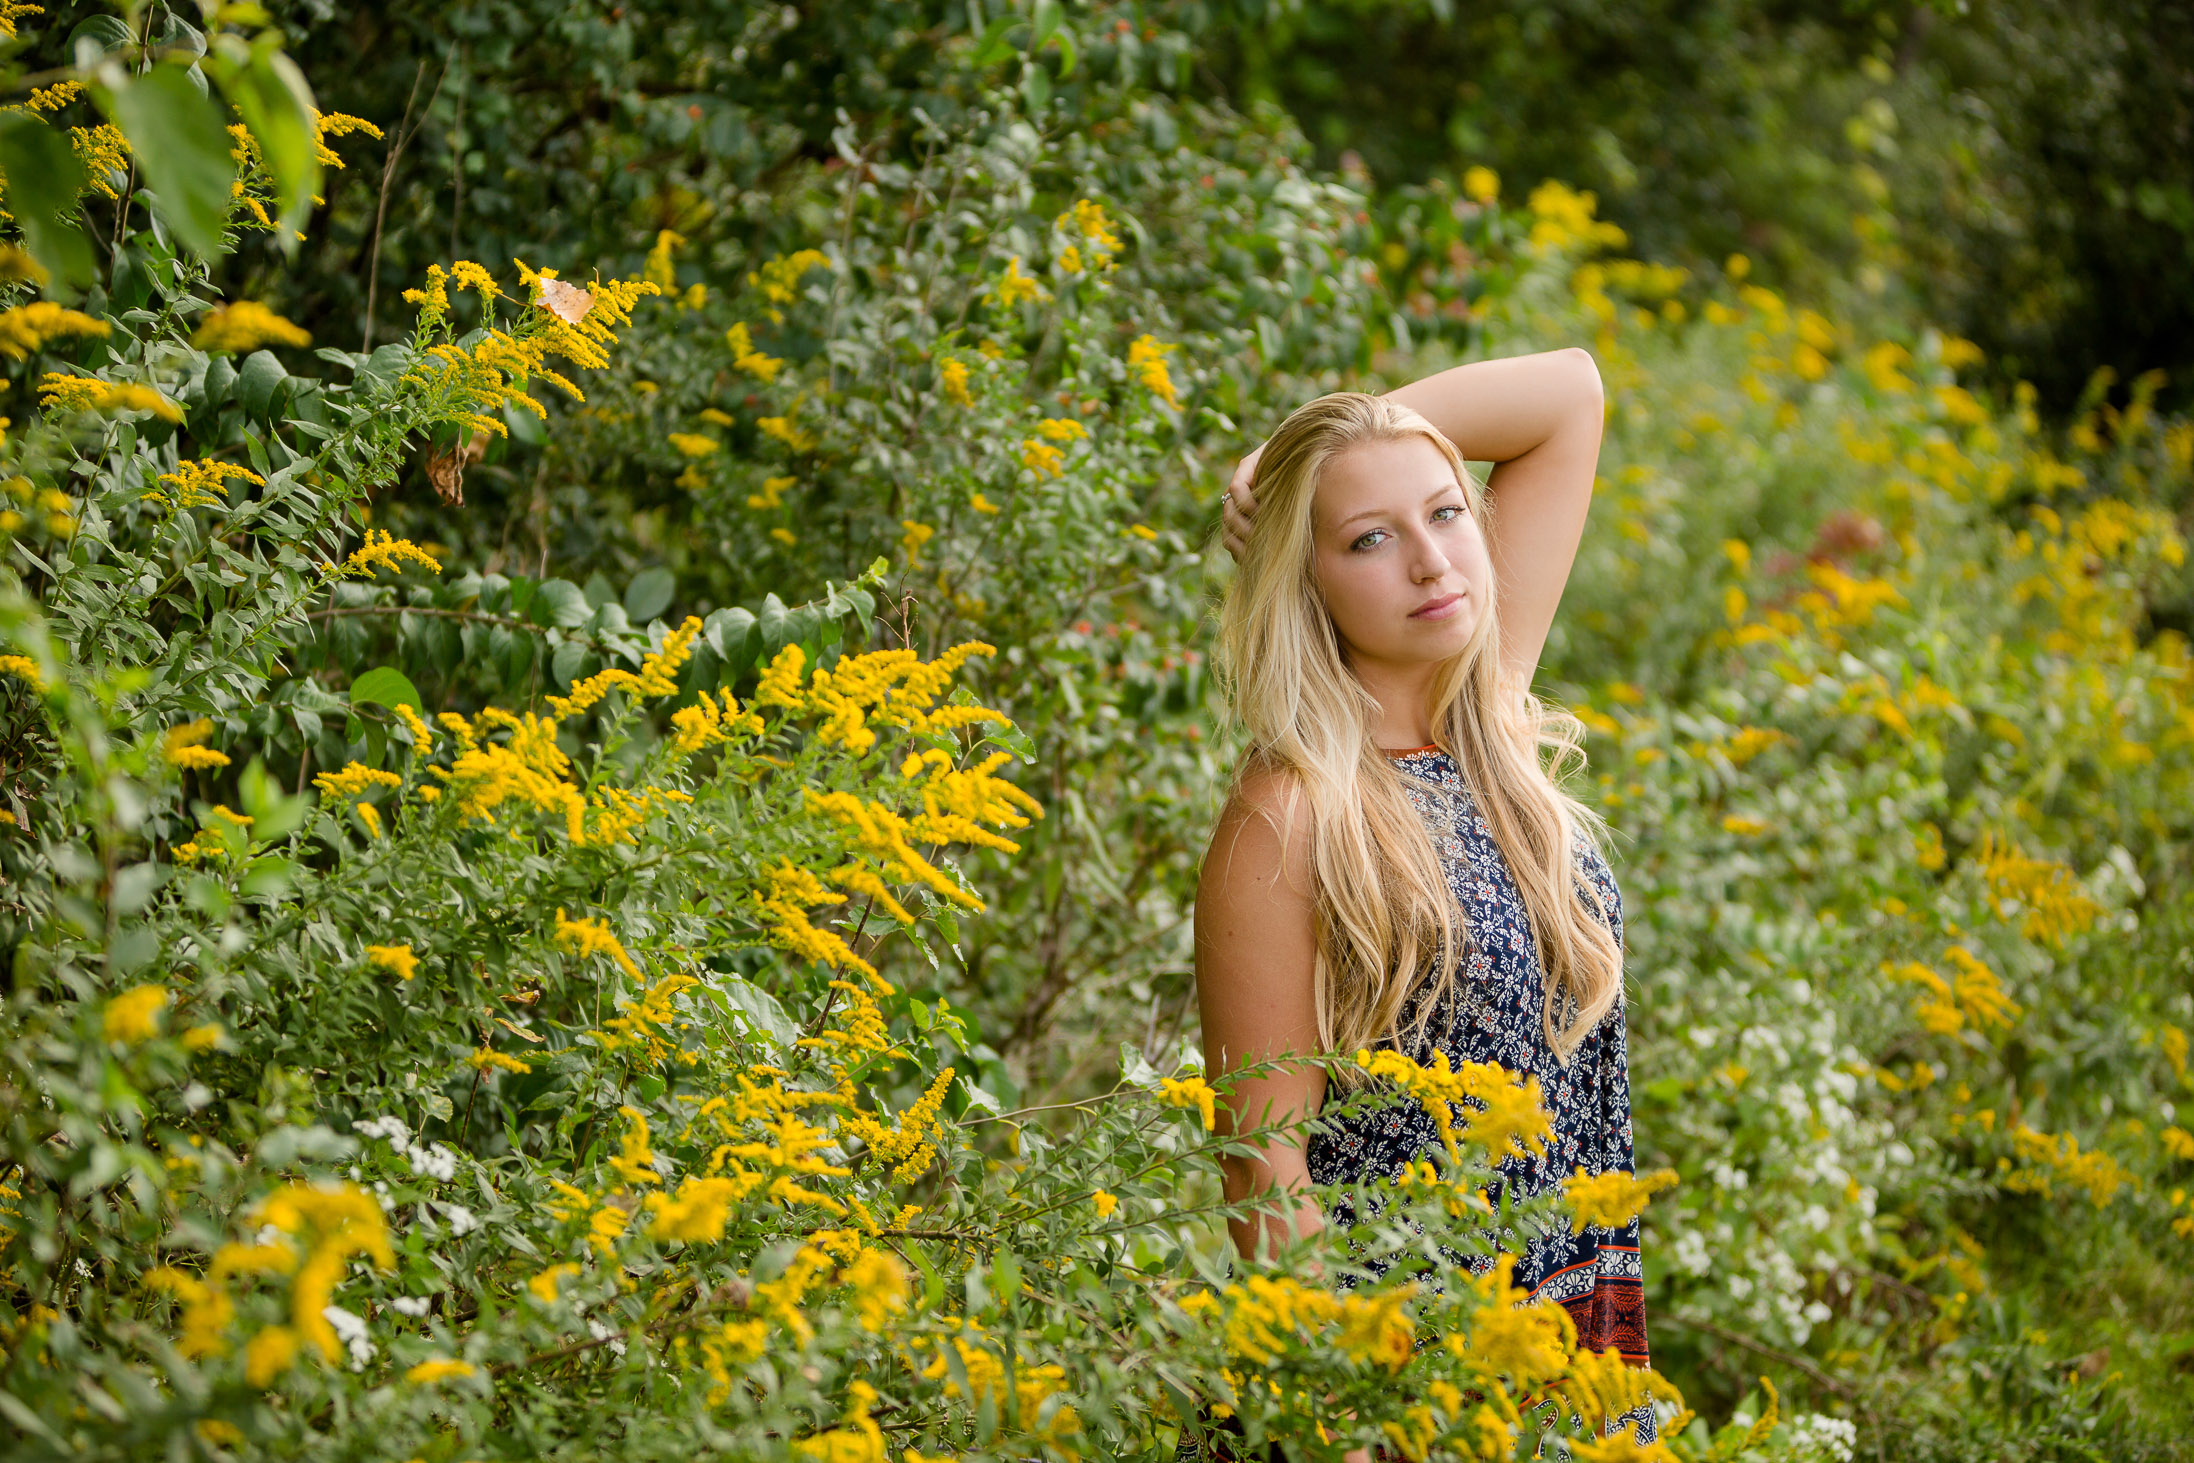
x,y
1262,833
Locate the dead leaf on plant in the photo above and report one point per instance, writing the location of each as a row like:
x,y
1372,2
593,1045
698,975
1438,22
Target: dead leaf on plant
x,y
446,470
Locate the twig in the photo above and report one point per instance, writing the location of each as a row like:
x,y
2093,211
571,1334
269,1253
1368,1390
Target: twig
x,y
1795,1363
404,133
478,616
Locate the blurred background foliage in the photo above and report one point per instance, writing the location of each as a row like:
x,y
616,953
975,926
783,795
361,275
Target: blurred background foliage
x,y
1880,622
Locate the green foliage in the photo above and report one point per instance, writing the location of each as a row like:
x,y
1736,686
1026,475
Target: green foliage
x,y
477,820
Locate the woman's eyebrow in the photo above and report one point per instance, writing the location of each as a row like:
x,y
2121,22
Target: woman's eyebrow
x,y
1435,496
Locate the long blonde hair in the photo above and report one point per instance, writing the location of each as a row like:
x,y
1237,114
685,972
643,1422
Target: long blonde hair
x,y
1384,907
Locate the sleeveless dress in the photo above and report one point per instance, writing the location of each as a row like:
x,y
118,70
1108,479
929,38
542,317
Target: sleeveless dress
x,y
1494,1016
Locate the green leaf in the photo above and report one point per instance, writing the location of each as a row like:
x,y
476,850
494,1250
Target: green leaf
x,y
43,180
256,384
385,685
649,594
182,148
559,602
270,94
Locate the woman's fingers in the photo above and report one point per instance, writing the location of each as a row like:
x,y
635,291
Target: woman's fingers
x,y
1241,504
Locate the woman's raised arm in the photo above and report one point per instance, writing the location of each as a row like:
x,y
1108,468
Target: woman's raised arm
x,y
1538,419
1256,947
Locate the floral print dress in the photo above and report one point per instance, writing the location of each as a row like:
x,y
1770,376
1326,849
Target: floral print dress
x,y
1494,1016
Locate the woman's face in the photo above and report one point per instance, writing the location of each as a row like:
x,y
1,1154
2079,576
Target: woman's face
x,y
1398,553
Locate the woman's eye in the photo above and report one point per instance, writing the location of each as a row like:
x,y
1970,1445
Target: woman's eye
x,y
1365,542
1453,510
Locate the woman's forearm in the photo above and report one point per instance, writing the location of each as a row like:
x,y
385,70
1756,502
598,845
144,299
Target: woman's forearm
x,y
1538,418
1497,411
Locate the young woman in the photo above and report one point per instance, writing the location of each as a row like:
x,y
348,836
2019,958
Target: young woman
x,y
1396,802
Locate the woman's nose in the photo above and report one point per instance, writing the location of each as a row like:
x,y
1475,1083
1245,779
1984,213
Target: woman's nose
x,y
1426,561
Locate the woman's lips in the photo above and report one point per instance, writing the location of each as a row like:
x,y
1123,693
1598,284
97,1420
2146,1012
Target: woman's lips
x,y
1438,609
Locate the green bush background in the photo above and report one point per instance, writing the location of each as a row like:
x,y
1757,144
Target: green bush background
x,y
1883,651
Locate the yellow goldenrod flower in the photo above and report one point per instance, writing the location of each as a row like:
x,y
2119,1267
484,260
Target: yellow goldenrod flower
x,y
1146,357
584,937
59,391
487,1059
693,444
1041,458
659,271
207,1310
245,326
437,1369
28,328
200,484
1191,1092
180,746
1481,184
952,378
397,958
1014,286
544,1285
779,279
911,538
269,1354
981,504
1061,429
786,431
1104,1203
380,551
355,780
23,668
104,154
133,1016
1612,1199
747,358
203,1038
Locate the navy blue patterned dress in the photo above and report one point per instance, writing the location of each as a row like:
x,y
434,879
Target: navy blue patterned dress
x,y
1494,1016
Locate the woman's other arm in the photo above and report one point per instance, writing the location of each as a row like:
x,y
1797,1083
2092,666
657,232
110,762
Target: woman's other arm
x,y
1538,419
1256,947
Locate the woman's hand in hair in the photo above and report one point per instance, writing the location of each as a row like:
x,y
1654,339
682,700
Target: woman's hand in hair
x,y
1241,504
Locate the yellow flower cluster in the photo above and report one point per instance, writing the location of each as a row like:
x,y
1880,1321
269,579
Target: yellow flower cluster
x,y
1015,287
59,391
952,379
2054,904
181,747
1974,994
134,1016
909,1146
104,154
1265,1317
1192,1092
246,326
472,383
28,328
318,1229
779,279
657,676
398,959
2048,1159
584,937
1509,1120
223,836
1146,359
1611,1199
1085,230
200,484
747,358
1564,218
380,551
989,1381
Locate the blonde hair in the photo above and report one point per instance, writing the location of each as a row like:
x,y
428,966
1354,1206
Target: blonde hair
x,y
1384,907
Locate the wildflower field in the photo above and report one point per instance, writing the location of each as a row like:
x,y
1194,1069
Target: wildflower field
x,y
605,732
